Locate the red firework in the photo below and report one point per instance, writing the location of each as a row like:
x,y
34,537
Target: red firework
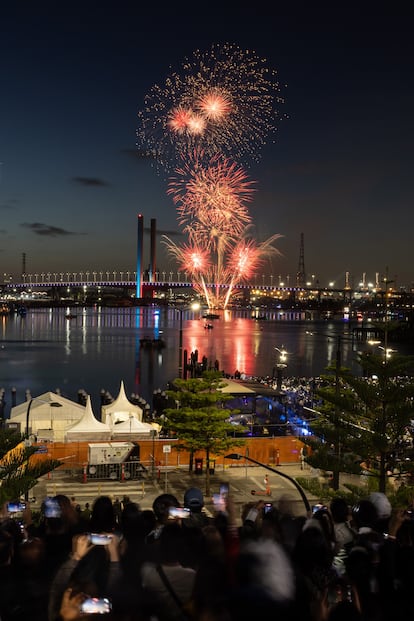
x,y
245,259
178,119
213,196
215,105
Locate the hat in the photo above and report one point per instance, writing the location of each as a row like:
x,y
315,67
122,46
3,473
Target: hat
x,y
382,504
193,498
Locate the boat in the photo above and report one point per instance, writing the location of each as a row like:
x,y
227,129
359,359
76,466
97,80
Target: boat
x,y
211,316
70,316
149,342
208,326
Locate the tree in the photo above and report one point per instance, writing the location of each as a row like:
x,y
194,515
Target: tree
x,y
365,420
19,472
200,421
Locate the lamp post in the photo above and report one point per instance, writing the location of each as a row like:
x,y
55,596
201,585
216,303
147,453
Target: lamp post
x,y
53,404
282,364
153,434
237,456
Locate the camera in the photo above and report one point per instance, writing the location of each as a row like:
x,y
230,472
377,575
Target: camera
x,y
100,539
16,507
179,512
52,508
95,605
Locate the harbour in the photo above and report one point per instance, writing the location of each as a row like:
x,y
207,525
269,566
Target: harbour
x,y
98,348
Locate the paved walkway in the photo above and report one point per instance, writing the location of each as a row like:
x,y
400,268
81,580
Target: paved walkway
x,y
242,480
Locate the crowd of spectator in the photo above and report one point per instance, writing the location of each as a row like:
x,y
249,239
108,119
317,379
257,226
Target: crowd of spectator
x,y
176,562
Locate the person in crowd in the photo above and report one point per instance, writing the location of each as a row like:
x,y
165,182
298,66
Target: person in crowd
x,y
161,508
117,509
341,516
103,518
91,568
86,513
194,501
167,584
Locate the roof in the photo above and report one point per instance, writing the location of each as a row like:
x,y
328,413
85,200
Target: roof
x,y
132,426
88,423
121,409
41,404
250,387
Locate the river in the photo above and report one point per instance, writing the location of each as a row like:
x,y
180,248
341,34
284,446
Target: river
x,y
99,347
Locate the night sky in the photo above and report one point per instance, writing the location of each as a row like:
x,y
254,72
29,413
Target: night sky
x,y
339,169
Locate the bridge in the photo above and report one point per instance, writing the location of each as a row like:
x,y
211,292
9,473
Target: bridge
x,y
169,280
127,280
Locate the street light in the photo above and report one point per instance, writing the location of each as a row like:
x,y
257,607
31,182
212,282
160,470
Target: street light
x,y
237,456
53,404
282,364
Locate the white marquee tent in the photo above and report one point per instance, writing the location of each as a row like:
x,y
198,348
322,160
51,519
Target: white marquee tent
x,y
48,416
88,429
133,428
120,410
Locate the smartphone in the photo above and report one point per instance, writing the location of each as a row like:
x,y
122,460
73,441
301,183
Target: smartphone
x,y
318,507
95,605
16,507
179,512
219,502
267,507
52,508
100,539
224,489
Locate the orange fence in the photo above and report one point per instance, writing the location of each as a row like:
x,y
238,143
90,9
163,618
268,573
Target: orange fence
x,y
271,451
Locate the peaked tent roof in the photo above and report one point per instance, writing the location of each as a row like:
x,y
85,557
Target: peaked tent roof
x,y
41,403
89,428
121,408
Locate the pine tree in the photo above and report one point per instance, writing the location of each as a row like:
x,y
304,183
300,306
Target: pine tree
x,y
18,472
364,419
200,421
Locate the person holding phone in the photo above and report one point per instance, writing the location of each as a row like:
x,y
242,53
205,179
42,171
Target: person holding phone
x,y
88,562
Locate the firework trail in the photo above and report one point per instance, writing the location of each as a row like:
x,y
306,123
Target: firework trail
x,y
221,101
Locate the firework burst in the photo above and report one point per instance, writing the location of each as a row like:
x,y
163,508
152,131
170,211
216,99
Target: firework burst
x,y
222,101
211,198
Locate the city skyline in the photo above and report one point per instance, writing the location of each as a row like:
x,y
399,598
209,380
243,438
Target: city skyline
x,y
72,179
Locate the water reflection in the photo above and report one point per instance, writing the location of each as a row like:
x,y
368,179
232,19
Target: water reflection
x,y
98,348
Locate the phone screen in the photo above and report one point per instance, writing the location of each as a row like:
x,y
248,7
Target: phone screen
x,y
219,501
224,489
16,507
99,539
94,605
179,512
52,508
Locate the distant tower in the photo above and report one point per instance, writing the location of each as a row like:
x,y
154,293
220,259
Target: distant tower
x,y
140,240
153,247
23,264
301,275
